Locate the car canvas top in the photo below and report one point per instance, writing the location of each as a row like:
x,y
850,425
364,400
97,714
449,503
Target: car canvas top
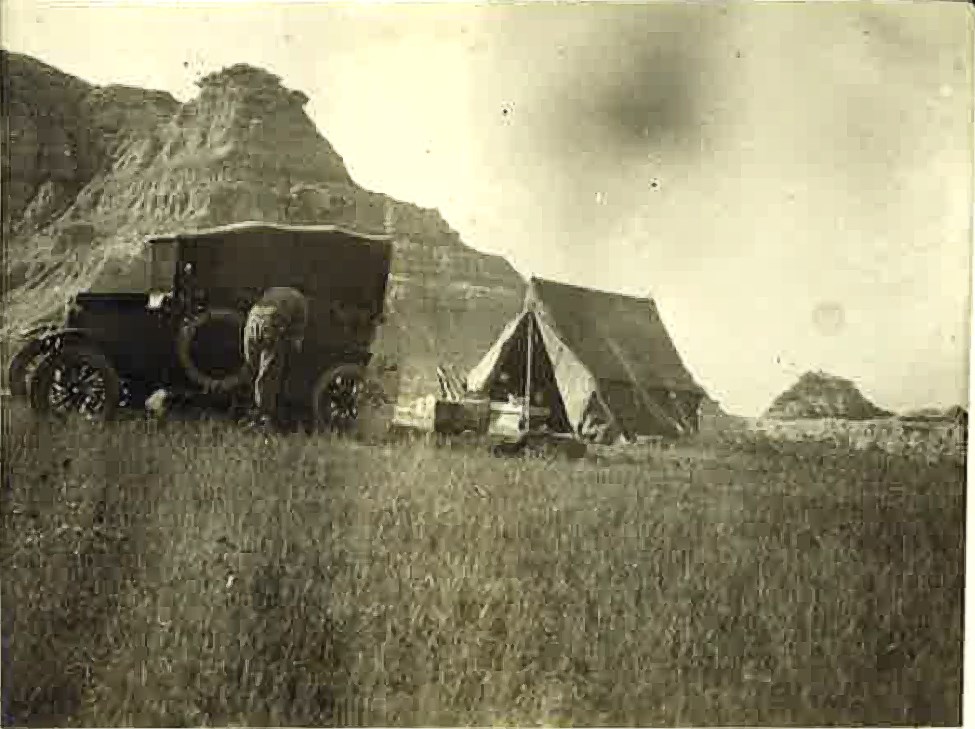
x,y
253,226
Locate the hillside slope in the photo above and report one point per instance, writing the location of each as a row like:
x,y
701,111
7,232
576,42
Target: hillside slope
x,y
93,170
821,395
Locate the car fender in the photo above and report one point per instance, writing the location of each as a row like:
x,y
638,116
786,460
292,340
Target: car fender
x,y
59,337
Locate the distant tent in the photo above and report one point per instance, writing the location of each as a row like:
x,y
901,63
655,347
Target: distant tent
x,y
603,364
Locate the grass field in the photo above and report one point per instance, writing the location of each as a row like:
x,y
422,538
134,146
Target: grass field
x,y
187,573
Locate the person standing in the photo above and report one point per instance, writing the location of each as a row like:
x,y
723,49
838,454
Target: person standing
x,y
273,333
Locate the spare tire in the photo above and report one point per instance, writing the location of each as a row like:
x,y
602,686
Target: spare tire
x,y
210,350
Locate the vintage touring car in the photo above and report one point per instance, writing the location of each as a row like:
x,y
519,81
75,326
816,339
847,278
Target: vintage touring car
x,y
183,332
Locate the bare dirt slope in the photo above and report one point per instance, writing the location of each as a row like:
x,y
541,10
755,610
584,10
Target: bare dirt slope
x,y
91,170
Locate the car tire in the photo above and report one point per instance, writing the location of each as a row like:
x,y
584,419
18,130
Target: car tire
x,y
80,377
335,398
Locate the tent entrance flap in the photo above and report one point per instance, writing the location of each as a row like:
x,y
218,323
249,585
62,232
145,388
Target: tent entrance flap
x,y
524,366
526,406
482,377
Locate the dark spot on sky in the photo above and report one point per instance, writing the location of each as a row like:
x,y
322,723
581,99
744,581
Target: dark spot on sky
x,y
737,54
655,184
649,94
186,64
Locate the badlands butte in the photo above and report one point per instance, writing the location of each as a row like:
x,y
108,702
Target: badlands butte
x,y
90,170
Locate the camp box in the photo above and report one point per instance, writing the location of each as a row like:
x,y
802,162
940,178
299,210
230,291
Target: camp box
x,y
416,414
505,417
463,416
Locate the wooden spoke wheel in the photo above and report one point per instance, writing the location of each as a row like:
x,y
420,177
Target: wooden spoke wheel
x,y
75,380
336,398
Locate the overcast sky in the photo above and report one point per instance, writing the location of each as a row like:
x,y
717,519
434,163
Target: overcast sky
x,y
791,181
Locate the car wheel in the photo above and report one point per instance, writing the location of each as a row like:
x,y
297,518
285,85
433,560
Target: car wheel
x,y
76,379
335,398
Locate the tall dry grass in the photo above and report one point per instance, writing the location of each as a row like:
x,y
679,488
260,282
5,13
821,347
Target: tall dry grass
x,y
193,574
